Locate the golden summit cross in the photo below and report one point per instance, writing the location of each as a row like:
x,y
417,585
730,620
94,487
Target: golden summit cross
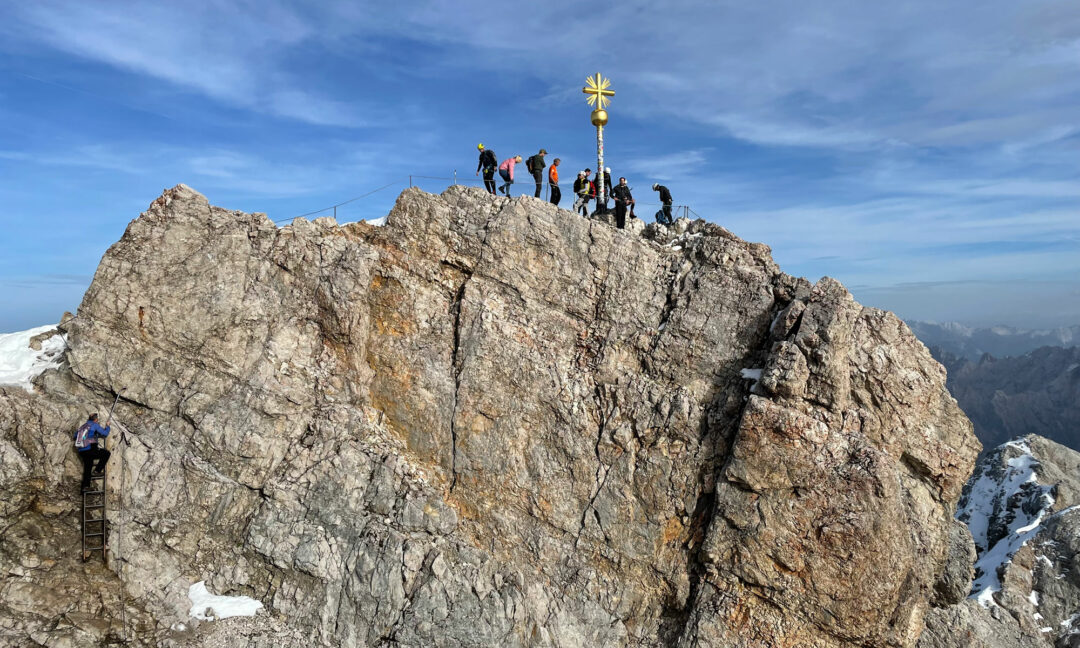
x,y
597,89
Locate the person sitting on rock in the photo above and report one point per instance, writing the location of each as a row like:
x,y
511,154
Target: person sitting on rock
x,y
623,199
87,445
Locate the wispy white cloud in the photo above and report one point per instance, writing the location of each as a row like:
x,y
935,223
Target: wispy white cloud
x,y
682,164
94,156
230,52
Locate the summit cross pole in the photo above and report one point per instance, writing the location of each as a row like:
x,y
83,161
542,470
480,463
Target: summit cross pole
x,y
597,89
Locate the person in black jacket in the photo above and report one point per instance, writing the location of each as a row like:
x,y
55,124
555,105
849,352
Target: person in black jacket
x,y
664,215
623,199
535,165
488,162
601,200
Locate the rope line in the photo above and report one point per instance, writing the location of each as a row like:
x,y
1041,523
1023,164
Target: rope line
x,y
319,211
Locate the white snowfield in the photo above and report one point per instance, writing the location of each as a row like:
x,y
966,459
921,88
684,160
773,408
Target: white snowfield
x,y
990,496
210,607
19,364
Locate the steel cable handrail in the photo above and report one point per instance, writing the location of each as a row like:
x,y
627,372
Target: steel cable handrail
x,y
685,209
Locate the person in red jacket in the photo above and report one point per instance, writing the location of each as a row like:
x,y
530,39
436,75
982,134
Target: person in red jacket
x,y
506,170
553,182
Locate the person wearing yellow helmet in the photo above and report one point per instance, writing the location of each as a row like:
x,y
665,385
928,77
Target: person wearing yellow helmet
x,y
488,162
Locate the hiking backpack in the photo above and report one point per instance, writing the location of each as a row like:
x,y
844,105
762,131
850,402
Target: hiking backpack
x,y
83,437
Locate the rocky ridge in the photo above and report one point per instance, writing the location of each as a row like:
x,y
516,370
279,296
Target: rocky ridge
x,y
488,423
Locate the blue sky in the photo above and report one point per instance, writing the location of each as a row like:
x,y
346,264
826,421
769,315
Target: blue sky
x,y
924,153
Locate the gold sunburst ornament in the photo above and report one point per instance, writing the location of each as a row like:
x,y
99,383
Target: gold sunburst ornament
x,y
597,89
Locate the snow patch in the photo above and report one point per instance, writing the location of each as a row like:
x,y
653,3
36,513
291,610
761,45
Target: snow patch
x,y
209,607
19,364
376,222
751,374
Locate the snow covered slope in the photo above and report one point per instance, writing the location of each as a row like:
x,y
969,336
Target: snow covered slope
x,y
1022,506
20,363
1004,507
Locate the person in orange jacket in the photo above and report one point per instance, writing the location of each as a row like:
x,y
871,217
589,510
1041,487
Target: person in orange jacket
x,y
553,182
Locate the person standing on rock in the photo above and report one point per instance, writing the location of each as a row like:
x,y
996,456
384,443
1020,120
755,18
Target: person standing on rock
x,y
601,201
487,162
86,444
535,166
581,193
506,170
664,215
553,182
623,199
586,193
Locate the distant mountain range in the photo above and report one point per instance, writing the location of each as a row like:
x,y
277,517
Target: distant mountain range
x,y
998,341
1035,393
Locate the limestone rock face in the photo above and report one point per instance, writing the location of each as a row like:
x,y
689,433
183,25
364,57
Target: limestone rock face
x,y
491,422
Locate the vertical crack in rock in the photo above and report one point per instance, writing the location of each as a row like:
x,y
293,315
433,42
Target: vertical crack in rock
x,y
674,290
455,367
456,361
601,469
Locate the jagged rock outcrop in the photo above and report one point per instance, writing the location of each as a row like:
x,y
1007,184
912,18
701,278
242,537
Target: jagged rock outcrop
x,y
1022,508
492,423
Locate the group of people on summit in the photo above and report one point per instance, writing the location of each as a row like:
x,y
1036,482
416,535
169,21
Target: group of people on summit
x,y
585,188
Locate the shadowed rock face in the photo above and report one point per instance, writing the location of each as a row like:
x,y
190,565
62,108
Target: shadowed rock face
x,y
493,423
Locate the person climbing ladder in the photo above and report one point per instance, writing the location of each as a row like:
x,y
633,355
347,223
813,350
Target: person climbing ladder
x,y
89,449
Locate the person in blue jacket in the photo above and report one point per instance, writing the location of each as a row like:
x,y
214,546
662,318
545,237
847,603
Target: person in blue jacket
x,y
86,444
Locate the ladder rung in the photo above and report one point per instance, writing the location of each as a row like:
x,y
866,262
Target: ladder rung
x,y
91,535
94,506
92,520
100,492
94,548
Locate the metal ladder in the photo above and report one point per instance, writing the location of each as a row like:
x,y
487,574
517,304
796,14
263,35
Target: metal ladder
x,y
93,525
